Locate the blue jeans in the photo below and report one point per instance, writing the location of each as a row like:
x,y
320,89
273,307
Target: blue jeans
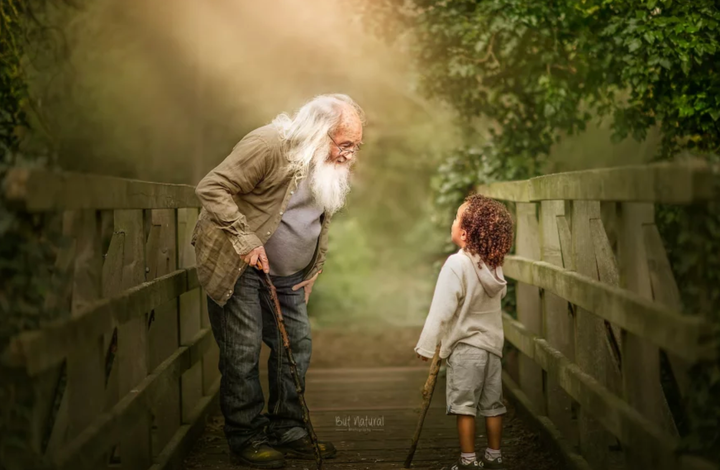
x,y
239,328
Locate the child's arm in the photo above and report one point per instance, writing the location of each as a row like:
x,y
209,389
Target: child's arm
x,y
449,292
500,274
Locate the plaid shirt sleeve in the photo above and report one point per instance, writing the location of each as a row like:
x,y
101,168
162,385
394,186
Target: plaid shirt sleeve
x,y
239,173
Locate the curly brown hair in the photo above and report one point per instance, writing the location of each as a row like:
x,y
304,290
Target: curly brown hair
x,y
489,229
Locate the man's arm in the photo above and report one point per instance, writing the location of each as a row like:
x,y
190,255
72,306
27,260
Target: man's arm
x,y
449,293
239,173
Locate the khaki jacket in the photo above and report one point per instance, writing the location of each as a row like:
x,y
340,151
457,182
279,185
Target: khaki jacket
x,y
243,201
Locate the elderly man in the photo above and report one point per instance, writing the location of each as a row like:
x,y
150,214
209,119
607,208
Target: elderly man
x,y
270,203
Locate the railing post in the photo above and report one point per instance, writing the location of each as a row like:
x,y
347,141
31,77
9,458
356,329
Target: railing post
x,y
641,359
161,253
529,309
85,366
590,332
132,352
558,328
78,267
190,310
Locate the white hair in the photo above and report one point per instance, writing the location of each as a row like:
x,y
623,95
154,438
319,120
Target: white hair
x,y
306,133
306,136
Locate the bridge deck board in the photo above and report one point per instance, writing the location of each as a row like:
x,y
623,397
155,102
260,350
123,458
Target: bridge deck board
x,y
390,393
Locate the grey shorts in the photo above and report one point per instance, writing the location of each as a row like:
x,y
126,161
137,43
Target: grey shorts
x,y
474,382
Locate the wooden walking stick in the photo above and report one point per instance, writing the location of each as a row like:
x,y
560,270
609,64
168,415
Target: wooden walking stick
x,y
293,366
427,394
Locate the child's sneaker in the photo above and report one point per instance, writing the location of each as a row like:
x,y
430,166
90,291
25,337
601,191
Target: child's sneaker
x,y
475,465
495,464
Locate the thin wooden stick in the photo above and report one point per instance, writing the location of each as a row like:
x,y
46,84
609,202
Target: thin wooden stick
x,y
427,394
293,369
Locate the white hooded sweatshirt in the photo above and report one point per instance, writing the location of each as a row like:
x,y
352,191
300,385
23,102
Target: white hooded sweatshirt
x,y
466,307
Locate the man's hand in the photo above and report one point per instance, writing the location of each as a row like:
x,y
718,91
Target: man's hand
x,y
425,359
258,254
308,285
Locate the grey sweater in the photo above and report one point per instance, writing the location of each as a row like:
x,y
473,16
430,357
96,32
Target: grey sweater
x,y
465,308
291,248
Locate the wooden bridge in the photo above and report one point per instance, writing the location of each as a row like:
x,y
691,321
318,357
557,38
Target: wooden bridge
x,y
129,377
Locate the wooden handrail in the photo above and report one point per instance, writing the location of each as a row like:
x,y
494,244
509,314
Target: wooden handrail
x,y
668,182
670,330
37,190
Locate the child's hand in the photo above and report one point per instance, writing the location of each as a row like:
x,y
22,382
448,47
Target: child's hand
x,y
425,359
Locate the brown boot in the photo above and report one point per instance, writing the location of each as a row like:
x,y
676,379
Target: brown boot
x,y
258,454
303,449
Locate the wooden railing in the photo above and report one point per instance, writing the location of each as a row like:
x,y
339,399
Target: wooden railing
x,y
597,308
134,367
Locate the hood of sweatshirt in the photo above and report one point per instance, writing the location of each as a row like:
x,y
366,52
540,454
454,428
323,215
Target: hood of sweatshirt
x,y
492,281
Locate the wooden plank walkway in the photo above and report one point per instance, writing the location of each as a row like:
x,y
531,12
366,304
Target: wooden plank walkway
x,y
387,398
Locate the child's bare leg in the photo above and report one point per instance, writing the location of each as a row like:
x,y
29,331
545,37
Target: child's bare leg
x,y
466,432
493,426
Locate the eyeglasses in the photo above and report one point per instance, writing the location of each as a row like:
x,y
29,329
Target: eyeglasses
x,y
346,150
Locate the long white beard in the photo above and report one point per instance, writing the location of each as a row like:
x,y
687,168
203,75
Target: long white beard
x,y
330,184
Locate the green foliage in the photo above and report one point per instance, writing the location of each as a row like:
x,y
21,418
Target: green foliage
x,y
538,72
26,244
13,87
540,69
27,247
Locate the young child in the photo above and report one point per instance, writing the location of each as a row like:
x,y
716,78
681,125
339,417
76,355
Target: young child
x,y
465,318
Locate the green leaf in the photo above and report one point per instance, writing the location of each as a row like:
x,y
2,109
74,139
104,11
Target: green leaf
x,y
634,44
685,65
